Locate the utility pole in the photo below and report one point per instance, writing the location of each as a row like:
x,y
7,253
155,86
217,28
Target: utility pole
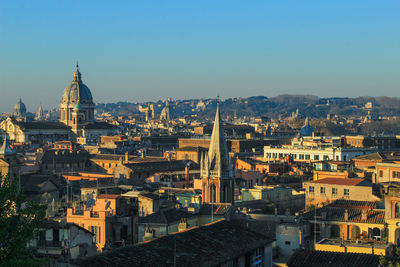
x,y
315,226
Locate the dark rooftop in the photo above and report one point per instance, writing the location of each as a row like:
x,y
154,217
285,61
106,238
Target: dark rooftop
x,y
165,216
99,125
311,258
218,208
162,166
41,125
208,245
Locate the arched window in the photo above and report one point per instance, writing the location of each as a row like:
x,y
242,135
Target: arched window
x,y
355,232
397,210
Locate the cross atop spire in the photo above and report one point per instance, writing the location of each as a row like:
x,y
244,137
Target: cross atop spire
x,y
77,74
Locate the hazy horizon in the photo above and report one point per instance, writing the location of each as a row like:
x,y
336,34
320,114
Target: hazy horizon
x,y
148,51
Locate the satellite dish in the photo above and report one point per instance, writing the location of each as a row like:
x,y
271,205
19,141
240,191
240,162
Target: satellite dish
x,y
108,204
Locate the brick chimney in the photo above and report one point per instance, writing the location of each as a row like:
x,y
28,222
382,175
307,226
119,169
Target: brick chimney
x,y
183,225
364,215
346,215
148,234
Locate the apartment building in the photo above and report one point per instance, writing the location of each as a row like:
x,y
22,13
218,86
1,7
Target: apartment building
x,y
330,189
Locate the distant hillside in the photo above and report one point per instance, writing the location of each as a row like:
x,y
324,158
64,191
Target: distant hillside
x,y
284,105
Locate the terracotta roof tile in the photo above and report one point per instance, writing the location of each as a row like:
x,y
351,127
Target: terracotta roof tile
x,y
343,181
108,196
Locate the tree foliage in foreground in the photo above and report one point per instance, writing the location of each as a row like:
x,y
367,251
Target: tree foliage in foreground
x,y
19,219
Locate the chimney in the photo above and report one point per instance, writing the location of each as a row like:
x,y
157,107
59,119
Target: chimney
x,y
126,156
187,174
364,215
346,215
287,213
148,234
183,225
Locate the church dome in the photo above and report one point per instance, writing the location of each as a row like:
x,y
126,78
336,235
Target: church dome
x,y
77,91
307,129
20,108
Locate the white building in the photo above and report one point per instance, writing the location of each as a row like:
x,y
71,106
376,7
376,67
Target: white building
x,y
315,149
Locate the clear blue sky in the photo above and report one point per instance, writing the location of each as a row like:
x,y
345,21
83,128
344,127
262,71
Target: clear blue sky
x,y
149,50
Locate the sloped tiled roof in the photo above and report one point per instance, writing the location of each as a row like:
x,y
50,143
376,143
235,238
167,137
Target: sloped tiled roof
x,y
337,214
162,166
312,258
34,183
208,245
343,181
99,125
344,203
218,208
49,125
165,216
373,156
108,196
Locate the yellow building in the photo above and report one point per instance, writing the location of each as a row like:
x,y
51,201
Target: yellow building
x,y
392,214
330,189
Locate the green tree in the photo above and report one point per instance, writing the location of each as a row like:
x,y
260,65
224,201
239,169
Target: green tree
x,y
19,219
382,261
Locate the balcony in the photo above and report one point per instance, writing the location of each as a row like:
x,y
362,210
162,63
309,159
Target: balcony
x,y
49,243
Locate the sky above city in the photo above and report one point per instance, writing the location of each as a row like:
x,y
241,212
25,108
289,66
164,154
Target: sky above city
x,y
149,50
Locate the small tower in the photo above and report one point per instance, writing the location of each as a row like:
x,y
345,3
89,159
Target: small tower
x,y
78,119
40,113
166,112
216,167
8,159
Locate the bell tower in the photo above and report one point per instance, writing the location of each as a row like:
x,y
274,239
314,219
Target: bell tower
x,y
78,119
216,167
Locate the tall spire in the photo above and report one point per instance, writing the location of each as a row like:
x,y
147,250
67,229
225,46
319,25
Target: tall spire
x,y
40,114
218,152
306,121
